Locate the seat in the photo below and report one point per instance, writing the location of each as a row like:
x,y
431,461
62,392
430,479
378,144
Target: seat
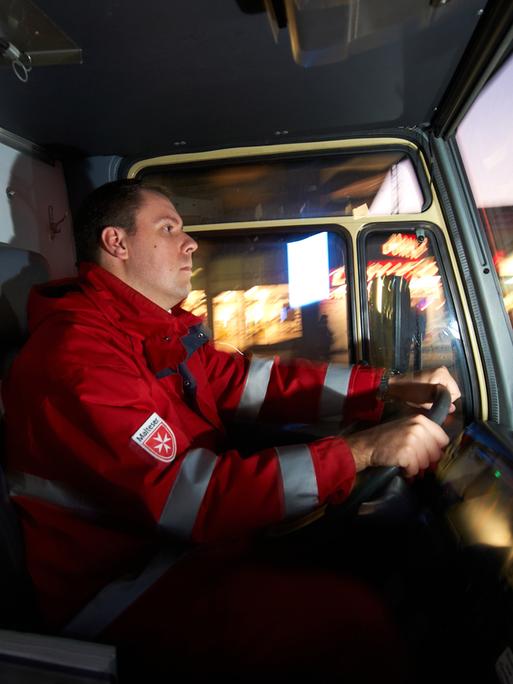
x,y
19,271
25,653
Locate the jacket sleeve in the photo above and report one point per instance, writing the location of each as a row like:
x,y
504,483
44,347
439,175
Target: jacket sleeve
x,y
295,391
201,494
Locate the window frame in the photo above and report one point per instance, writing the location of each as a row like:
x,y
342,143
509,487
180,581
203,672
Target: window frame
x,y
470,397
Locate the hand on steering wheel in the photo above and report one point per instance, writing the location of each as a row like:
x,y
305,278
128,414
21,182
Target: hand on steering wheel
x,y
420,447
375,478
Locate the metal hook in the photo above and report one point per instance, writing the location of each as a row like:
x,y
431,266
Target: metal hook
x,y
55,225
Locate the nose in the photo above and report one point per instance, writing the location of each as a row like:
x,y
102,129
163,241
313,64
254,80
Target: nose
x,y
190,245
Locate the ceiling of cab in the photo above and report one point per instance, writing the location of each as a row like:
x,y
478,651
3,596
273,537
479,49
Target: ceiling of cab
x,y
166,76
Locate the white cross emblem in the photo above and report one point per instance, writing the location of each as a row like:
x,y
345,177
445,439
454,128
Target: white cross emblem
x,y
156,437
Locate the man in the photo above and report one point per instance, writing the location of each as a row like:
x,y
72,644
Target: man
x,y
115,414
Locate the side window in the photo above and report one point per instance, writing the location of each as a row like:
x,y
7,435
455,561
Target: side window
x,y
267,293
485,142
412,324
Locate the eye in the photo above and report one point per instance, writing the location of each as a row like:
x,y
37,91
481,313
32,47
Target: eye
x,y
169,227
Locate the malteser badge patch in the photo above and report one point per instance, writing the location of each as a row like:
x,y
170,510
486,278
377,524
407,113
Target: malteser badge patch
x,y
156,437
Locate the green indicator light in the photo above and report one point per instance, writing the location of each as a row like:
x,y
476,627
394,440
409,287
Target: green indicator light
x,y
497,473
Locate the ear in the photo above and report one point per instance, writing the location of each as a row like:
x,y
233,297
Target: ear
x,y
113,241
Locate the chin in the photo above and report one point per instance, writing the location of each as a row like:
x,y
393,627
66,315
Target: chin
x,y
179,297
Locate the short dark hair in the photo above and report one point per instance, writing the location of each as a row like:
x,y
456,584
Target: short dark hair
x,y
112,204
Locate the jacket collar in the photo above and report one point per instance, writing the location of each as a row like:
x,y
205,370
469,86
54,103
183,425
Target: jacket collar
x,y
137,314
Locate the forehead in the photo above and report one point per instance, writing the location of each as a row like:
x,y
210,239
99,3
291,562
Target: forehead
x,y
155,206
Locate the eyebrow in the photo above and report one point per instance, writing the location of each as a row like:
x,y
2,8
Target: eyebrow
x,y
169,217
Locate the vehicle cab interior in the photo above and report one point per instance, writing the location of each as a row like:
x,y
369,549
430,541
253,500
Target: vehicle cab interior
x,y
346,168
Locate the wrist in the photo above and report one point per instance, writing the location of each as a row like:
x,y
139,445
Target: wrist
x,y
388,379
360,452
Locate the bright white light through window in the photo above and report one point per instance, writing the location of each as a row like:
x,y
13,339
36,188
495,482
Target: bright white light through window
x,y
308,270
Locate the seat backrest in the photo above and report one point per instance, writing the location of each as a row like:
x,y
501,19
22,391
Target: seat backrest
x,y
19,271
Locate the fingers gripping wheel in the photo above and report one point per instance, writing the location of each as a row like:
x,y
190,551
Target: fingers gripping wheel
x,y
441,405
374,480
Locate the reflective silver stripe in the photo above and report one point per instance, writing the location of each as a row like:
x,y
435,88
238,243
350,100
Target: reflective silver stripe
x,y
255,388
300,489
34,487
184,500
334,391
115,598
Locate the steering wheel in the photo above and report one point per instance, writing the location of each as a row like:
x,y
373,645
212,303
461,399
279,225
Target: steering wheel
x,y
374,480
371,483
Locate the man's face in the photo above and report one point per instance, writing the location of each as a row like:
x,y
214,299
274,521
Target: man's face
x,y
159,263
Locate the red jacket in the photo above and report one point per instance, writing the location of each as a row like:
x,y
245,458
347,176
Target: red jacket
x,y
115,413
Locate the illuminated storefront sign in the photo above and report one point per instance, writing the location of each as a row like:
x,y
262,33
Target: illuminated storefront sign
x,y
405,246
